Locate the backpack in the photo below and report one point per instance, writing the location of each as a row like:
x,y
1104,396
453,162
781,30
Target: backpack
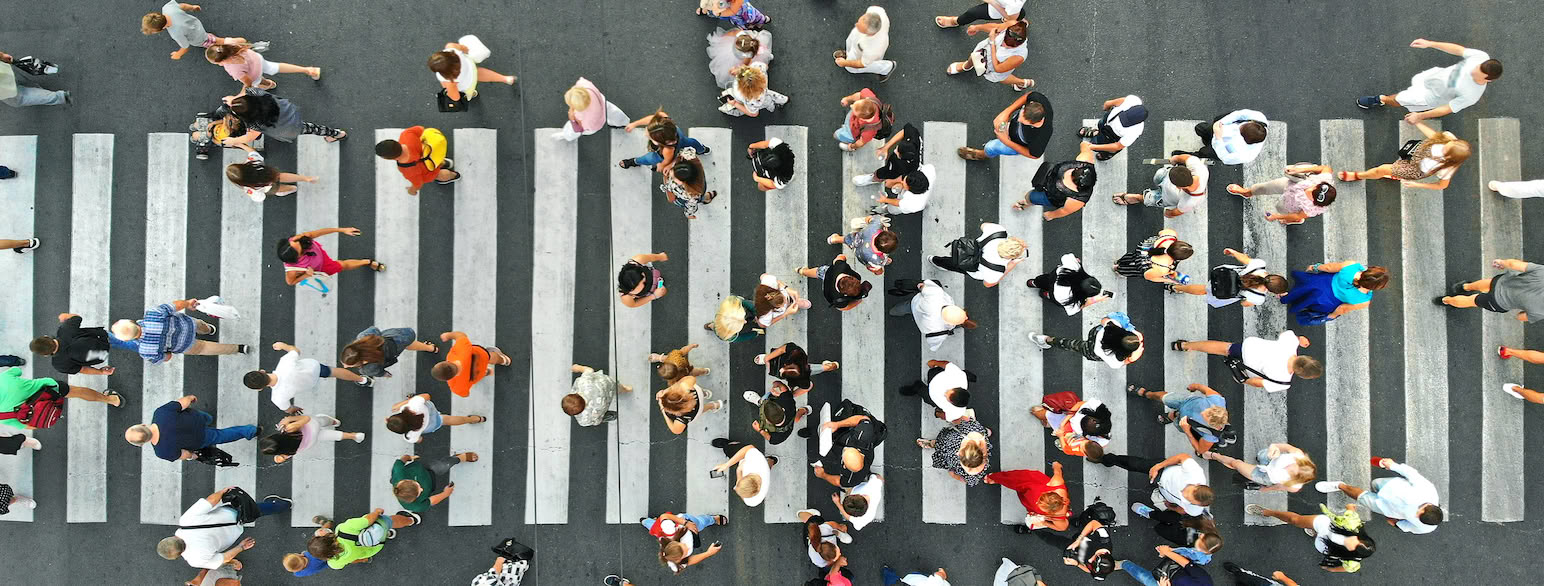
x,y
1098,511
1225,282
40,411
886,122
966,252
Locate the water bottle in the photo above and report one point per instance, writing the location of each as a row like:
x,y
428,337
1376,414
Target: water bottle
x,y
1182,278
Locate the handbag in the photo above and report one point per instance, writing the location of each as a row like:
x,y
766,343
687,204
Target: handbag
x,y
217,457
1407,151
40,411
215,306
448,105
245,505
314,281
1242,372
514,551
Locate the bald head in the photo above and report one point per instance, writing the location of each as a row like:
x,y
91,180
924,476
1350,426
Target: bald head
x,y
953,315
125,329
852,459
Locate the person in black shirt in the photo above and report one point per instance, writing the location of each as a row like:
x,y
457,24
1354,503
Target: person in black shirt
x,y
855,433
790,363
1069,286
1065,187
78,350
902,155
1023,129
773,419
843,287
1090,551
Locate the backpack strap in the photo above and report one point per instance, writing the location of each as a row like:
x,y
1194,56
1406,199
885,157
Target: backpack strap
x,y
353,537
948,332
981,251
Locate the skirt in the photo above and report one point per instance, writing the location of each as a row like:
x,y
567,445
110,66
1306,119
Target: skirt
x,y
1312,297
1410,169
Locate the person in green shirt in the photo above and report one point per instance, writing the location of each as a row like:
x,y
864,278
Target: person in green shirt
x,y
357,540
15,390
418,485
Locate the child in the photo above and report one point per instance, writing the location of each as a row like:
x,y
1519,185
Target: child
x,y
186,29
304,564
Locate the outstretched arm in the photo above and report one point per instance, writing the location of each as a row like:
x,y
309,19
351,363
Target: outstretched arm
x,y
1453,49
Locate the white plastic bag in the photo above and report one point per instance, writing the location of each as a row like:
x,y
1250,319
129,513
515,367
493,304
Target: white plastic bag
x,y
475,48
215,306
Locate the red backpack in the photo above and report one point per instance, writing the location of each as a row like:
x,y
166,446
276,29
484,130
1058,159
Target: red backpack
x,y
40,411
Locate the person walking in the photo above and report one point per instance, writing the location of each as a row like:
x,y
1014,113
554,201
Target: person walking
x,y
259,180
466,363
298,432
304,256
20,94
176,20
994,255
1179,186
1306,191
1179,483
789,362
776,411
866,45
1439,155
1123,122
1234,138
739,13
842,286
9,498
871,241
859,505
592,396
1408,500
1091,550
685,183
1440,91
1199,413
934,311
24,394
683,401
1520,287
907,194
772,163
901,153
864,119
1260,362
1044,497
679,535
375,350
264,114
1064,187
989,10
422,155
1113,341
822,538
416,416
166,330
1157,259
420,484
1325,291
995,57
250,68
665,139
753,476
1080,426
728,49
1227,284
846,442
1174,565
458,68
1340,537
962,449
588,112
1276,467
294,375
776,301
676,364
78,350
19,246
177,431
945,388
13,443
1021,129
749,95
639,282
1069,286
209,532
360,539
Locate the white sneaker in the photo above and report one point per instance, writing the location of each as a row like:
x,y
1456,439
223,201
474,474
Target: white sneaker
x,y
1040,340
1494,185
810,511
1255,509
752,397
359,437
1509,388
33,443
706,394
862,180
760,359
1310,532
843,537
25,500
1327,486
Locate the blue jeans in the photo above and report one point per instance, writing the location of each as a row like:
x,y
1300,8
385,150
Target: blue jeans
x,y
1138,573
654,158
214,436
996,148
891,578
844,135
27,95
1038,198
702,521
266,508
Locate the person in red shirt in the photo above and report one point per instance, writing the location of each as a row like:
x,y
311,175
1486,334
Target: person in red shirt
x,y
466,363
1045,497
420,154
865,118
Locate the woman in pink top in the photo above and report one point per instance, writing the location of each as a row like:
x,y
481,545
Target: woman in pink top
x,y
298,432
304,257
588,112
248,67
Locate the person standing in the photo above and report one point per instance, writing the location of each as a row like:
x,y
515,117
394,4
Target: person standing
x,y
1264,363
264,114
871,241
592,396
995,57
186,30
166,330
678,536
1081,427
1157,259
303,256
996,254
1519,287
419,485
416,416
1325,291
1064,187
245,65
78,350
750,96
1123,122
588,112
683,401
791,363
1179,187
934,311
466,363
728,49
676,364
1115,342
821,539
901,153
422,155
358,540
639,281
685,183
1440,91
20,94
1440,154
177,431
1227,284
1306,191
753,476
458,68
775,301
1069,286
294,375
1021,129
375,350
208,532
1044,497
866,45
1234,138
1408,500
772,163
1091,550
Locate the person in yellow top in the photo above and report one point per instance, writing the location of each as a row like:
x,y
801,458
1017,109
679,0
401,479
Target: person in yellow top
x,y
466,363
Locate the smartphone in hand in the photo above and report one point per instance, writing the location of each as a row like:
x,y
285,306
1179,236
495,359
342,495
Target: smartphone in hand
x,y
715,473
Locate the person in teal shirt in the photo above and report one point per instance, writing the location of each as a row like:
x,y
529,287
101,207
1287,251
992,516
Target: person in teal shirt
x,y
1329,290
16,389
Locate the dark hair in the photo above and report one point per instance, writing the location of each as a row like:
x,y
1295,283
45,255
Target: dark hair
x,y
686,171
767,299
1430,514
1087,287
1034,111
852,287
1101,565
778,161
1274,283
662,129
1492,69
1179,250
256,110
282,443
287,253
251,174
256,380
885,241
630,275
388,149
1181,176
855,505
1204,495
1252,131
1323,194
1016,33
365,350
1213,541
404,421
445,63
1084,177
959,397
44,345
573,404
906,151
774,413
917,182
1098,422
1119,341
324,547
1373,278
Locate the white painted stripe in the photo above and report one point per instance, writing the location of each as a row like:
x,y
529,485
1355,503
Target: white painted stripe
x,y
166,266
1104,240
312,471
1501,448
474,310
787,243
19,195
627,445
708,239
863,327
1347,356
241,284
1184,315
396,244
943,497
1426,347
1020,386
552,327
1265,414
90,286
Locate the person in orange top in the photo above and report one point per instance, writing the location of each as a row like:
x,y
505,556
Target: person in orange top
x,y
1045,497
466,363
421,156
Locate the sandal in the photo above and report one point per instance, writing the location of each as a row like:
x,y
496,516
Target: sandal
x,y
939,20
1178,345
1349,176
479,419
708,197
925,444
1120,199
377,266
1239,190
954,70
722,520
122,400
342,134
315,73
627,163
1088,132
1020,205
1028,83
433,348
470,457
971,154
267,84
1138,391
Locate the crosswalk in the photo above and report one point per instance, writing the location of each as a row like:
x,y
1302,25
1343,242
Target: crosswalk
x,y
702,273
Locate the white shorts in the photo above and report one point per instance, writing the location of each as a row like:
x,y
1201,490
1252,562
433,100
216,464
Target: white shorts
x,y
270,68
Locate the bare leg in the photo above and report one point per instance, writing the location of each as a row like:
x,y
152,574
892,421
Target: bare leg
x,y
834,239
1378,172
498,357
351,264
1351,492
1015,80
9,244
699,371
445,175
1482,285
314,72
806,272
485,74
1530,395
93,396
1039,413
1244,469
1193,289
461,419
346,374
1155,396
293,178
400,521
1212,347
1388,100
350,435
1293,519
1462,301
1529,356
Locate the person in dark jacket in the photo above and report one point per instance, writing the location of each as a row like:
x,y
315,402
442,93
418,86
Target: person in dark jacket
x,y
78,350
266,114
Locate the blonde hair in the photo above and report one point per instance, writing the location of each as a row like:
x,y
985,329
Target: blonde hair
x,y
1454,151
125,329
577,98
751,81
971,455
294,562
673,551
748,486
1010,248
1306,471
170,548
1216,416
730,317
137,434
152,23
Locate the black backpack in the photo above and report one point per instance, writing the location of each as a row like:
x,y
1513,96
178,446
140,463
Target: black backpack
x,y
966,252
886,122
1225,282
1098,511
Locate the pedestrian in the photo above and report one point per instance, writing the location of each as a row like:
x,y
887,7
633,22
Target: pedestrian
x,y
1064,187
728,49
298,432
1011,573
993,255
226,575
360,539
739,13
1408,500
1069,286
1276,467
859,505
822,538
416,416
1234,138
304,564
259,180
846,441
734,321
420,484
29,394
989,10
9,498
375,350
1342,538
665,139
776,301
1179,187
907,194
1261,362
1123,122
937,578
592,397
934,311
676,364
466,363
1179,483
773,408
12,443
1306,191
1175,566
1044,497
753,476
1078,425
20,246
1021,129
422,155
20,94
639,281
1157,259
842,286
679,536
1517,189
866,45
836,574
78,350
946,387
209,532
749,95
1244,577
177,431
1440,154
772,163
186,30
166,330
250,68
1199,533
1113,341
1325,291
685,183
510,567
864,120
683,401
1440,91
264,114
1227,284
995,58
304,256
588,112
458,68
962,448
790,363
294,375
1520,286
1091,550
1199,413
871,241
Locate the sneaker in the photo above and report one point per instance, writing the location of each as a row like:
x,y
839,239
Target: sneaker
x,y
609,416
26,500
863,180
274,497
417,518
359,437
1255,509
449,181
804,432
1494,185
391,534
1040,340
705,150
7,173
261,46
1310,532
1369,102
321,520
32,244
32,443
1511,389
1457,289
449,164
1142,510
1327,486
843,537
752,397
1232,568
719,442
241,348
614,580
1252,485
367,382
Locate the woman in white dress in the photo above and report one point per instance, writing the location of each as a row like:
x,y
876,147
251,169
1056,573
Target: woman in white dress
x,y
457,67
733,48
749,95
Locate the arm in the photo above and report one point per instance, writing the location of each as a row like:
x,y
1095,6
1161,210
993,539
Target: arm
x,y
314,234
1170,461
696,559
884,149
1425,130
639,122
755,146
186,401
285,347
1071,207
740,455
848,99
189,7
1205,390
1453,49
1085,152
1346,308
442,495
214,499
1168,552
448,336
1330,267
243,545
778,351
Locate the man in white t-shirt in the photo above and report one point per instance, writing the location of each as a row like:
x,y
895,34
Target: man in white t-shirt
x,y
946,385
208,531
1179,483
866,45
1179,187
860,504
1124,120
294,375
907,194
1269,364
1440,91
934,310
998,254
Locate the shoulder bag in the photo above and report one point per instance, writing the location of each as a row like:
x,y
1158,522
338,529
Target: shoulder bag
x,y
448,105
40,411
1241,372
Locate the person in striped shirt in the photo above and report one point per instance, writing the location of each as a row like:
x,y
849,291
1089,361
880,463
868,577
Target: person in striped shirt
x,y
166,330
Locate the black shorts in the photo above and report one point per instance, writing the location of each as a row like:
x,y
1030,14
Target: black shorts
x,y
1488,301
1236,350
